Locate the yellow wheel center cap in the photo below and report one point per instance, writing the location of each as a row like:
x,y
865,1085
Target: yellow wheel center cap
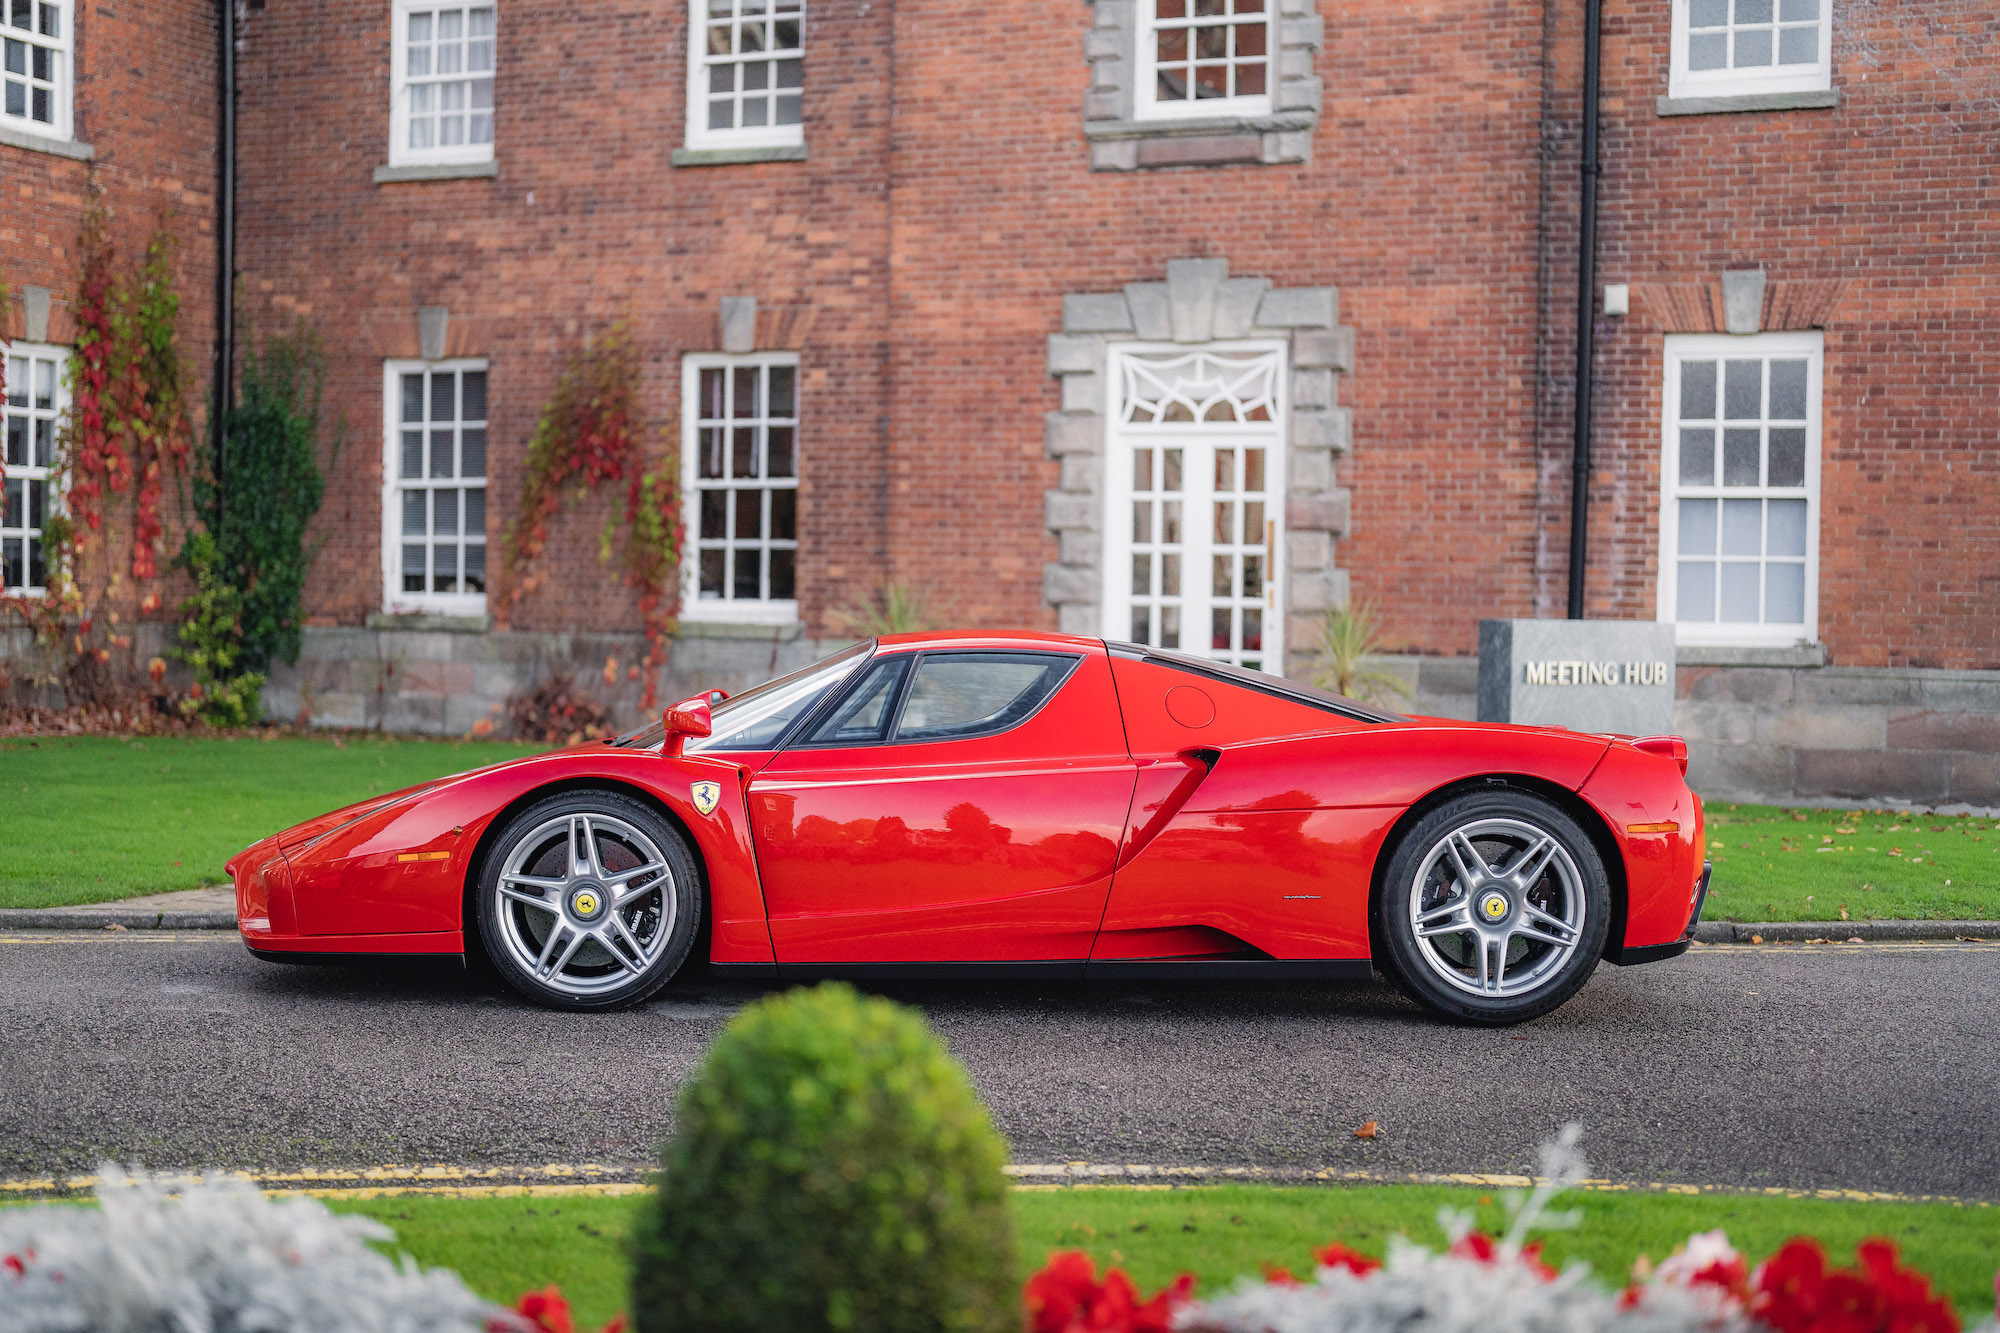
x,y
1494,906
586,903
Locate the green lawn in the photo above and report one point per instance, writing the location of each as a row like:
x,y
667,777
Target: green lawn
x,y
504,1247
96,818
1777,864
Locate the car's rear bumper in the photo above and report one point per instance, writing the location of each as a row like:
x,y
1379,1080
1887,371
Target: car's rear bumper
x,y
1653,953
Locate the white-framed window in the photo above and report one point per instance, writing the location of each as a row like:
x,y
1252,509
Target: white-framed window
x,y
443,56
740,484
35,70
434,487
1739,514
1729,47
746,73
1203,58
1194,493
36,399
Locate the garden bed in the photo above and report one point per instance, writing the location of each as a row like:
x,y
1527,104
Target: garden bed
x,y
505,1246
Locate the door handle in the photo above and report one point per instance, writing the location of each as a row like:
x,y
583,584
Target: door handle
x,y
1270,562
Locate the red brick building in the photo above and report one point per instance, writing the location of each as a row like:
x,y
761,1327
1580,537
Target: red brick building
x,y
1177,319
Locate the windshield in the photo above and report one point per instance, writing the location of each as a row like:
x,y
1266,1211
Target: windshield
x,y
756,718
1297,691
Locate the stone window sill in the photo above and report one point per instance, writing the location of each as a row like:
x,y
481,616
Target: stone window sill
x,y
738,629
1723,655
43,143
1128,145
437,171
725,157
426,622
1176,128
1707,106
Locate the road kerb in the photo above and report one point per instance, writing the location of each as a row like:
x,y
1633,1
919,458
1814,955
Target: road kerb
x,y
1839,932
98,918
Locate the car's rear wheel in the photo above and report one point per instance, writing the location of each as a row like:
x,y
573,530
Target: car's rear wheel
x,y
589,900
1494,908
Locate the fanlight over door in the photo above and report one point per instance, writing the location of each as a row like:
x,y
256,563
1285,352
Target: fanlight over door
x,y
1194,532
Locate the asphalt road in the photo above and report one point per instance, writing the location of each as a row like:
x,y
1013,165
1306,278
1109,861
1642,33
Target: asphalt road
x,y
1872,1067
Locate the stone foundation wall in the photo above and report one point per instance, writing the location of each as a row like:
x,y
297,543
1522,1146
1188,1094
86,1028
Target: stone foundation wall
x,y
1787,730
443,680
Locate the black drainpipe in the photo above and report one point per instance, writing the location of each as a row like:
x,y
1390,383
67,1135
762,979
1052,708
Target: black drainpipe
x,y
1586,314
225,241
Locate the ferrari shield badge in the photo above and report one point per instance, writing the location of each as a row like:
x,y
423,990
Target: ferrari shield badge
x,y
706,794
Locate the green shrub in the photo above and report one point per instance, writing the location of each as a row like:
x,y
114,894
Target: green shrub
x,y
831,1168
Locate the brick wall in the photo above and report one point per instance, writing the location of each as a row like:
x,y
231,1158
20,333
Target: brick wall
x,y
145,104
1872,220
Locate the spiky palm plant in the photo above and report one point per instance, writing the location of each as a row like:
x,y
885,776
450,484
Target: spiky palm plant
x,y
894,608
1349,636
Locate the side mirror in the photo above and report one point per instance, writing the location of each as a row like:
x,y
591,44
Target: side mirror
x,y
687,718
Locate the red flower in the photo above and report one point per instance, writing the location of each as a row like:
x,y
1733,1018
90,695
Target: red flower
x,y
12,1263
1797,1293
547,1310
1475,1245
1279,1276
1066,1297
1337,1255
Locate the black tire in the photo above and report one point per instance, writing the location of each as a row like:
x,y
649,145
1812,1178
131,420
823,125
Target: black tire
x,y
1503,902
661,919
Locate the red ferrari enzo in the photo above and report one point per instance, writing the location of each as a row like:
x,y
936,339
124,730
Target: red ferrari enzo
x,y
1018,805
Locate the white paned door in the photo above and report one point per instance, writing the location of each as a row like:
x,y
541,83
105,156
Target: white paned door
x,y
1194,522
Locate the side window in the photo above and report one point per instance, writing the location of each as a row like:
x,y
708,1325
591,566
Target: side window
x,y
958,695
863,717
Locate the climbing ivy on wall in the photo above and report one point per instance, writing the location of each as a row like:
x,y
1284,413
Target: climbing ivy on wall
x,y
591,432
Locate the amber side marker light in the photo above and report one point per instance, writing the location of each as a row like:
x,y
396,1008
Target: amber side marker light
x,y
424,856
1663,826
1667,747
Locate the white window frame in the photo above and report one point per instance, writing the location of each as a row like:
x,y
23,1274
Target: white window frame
x,y
1146,104
1722,347
729,609
1198,489
1731,82
699,135
394,600
15,522
62,83
400,152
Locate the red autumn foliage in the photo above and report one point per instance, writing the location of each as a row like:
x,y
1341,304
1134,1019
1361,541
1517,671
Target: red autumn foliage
x,y
1795,1292
1067,1297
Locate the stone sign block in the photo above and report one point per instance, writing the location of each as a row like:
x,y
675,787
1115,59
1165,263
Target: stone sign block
x,y
1587,675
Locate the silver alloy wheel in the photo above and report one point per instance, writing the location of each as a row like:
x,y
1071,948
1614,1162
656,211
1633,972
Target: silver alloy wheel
x,y
1497,907
586,903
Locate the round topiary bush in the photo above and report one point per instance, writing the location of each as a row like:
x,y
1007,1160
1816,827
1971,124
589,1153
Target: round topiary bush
x,y
831,1168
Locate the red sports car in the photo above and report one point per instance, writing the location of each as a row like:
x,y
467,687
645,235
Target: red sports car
x,y
1004,805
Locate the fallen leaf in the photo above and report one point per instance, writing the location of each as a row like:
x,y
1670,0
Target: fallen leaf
x,y
1756,939
1843,914
1368,1131
113,925
1856,939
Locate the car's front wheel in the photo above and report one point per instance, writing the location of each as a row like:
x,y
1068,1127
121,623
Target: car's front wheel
x,y
1494,908
589,900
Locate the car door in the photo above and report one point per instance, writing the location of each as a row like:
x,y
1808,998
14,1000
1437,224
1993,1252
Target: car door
x,y
960,805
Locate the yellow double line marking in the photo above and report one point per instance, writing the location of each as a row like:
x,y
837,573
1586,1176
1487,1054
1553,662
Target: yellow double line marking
x,y
597,1179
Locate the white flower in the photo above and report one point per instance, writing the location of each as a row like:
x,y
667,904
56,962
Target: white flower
x,y
221,1258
